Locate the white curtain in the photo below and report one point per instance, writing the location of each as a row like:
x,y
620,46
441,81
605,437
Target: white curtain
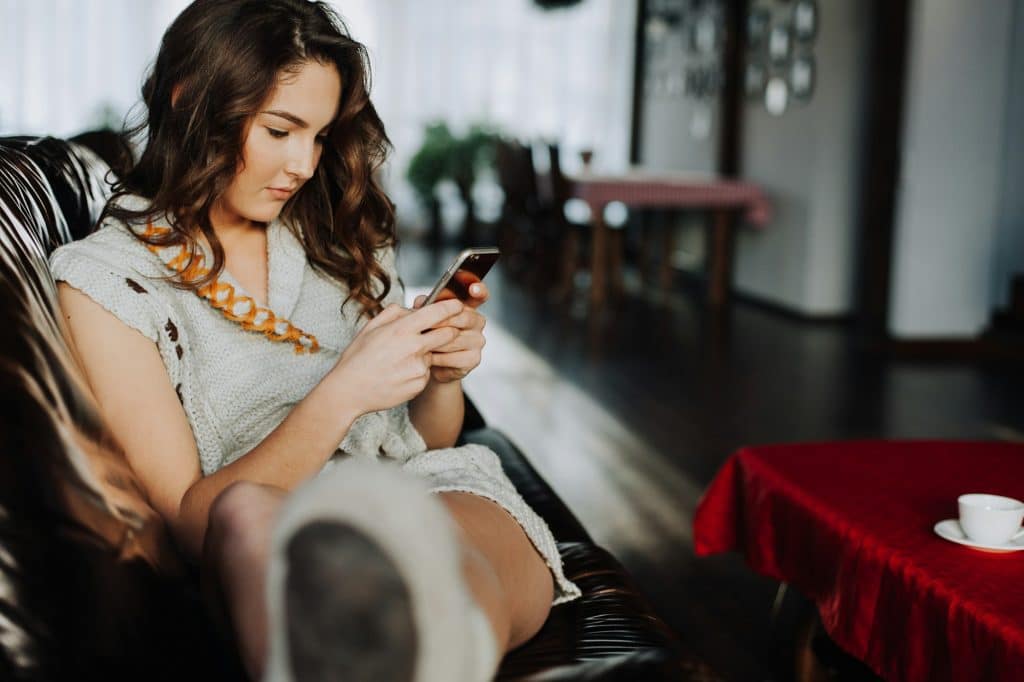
x,y
566,75
70,65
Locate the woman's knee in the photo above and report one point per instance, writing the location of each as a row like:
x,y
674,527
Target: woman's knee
x,y
524,580
240,518
533,600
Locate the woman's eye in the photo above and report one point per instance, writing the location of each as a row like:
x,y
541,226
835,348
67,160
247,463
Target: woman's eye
x,y
274,132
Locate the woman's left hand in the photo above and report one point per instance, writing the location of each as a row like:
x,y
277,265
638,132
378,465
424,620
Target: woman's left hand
x,y
455,360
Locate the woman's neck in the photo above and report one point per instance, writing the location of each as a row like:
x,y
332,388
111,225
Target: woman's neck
x,y
230,226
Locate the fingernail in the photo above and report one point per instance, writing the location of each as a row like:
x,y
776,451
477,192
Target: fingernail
x,y
475,289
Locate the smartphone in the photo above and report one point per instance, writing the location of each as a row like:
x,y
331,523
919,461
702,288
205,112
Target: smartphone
x,y
468,268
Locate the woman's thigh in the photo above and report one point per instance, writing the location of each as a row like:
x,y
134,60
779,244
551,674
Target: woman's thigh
x,y
525,579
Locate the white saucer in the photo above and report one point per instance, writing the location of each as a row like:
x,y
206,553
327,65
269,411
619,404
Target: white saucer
x,y
950,530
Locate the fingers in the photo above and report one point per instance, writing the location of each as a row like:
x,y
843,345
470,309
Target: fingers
x,y
437,338
432,315
418,303
463,359
389,314
478,295
470,340
467,319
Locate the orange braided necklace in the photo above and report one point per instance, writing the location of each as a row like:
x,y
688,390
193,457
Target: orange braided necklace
x,y
238,308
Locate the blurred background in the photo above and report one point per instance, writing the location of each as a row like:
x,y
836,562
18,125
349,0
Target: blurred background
x,y
723,222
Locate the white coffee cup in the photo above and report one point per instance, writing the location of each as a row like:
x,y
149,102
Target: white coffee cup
x,y
990,519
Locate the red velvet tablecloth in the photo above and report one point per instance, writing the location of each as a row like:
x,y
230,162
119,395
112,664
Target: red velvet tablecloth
x,y
850,526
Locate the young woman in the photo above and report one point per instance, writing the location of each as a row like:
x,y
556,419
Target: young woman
x,y
238,315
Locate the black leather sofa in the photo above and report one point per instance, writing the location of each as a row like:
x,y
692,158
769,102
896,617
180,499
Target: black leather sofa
x,y
90,585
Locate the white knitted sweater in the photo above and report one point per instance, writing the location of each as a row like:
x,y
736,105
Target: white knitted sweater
x,y
237,386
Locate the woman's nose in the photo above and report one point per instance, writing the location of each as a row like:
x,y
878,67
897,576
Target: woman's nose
x,y
302,162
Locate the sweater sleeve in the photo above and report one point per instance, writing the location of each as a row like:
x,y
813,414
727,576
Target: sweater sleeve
x,y
96,273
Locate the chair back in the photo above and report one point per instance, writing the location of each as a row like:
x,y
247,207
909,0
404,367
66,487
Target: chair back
x,y
518,178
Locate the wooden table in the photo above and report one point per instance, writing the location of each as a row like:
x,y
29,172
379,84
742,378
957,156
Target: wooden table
x,y
638,188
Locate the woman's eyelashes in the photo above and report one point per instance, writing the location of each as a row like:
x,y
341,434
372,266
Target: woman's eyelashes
x,y
280,134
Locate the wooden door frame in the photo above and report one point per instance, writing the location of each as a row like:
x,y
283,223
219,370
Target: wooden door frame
x,y
881,166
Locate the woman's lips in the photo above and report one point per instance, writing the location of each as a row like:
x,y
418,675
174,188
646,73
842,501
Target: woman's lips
x,y
281,194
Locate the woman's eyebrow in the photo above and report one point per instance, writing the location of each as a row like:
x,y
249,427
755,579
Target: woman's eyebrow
x,y
293,118
288,117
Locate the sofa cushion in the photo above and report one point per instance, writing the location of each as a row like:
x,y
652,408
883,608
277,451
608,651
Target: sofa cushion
x,y
79,545
54,187
37,365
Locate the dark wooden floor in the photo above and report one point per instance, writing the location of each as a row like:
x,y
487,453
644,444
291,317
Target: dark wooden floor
x,y
630,411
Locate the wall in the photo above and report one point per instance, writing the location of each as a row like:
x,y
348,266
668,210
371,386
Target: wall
x,y
955,137
959,221
1010,229
808,162
666,142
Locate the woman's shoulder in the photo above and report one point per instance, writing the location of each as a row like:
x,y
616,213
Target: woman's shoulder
x,y
114,244
116,270
113,249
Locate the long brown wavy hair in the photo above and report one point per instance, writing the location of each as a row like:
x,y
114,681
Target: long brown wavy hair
x,y
219,61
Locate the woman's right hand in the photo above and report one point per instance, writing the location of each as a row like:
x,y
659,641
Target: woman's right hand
x,y
388,362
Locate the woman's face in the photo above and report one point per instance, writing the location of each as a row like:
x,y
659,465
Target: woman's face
x,y
282,145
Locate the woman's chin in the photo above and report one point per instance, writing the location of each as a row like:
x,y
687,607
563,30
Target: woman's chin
x,y
265,214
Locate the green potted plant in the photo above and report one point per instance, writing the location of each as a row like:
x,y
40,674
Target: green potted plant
x,y
427,168
443,156
469,155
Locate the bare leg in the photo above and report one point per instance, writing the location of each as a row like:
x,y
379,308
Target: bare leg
x,y
506,574
236,552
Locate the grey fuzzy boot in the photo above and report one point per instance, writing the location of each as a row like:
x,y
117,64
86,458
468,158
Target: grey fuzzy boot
x,y
365,584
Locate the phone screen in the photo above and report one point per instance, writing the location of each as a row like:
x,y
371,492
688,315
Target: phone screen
x,y
469,268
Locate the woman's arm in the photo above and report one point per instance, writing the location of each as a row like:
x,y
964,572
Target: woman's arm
x,y
141,408
438,412
293,452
